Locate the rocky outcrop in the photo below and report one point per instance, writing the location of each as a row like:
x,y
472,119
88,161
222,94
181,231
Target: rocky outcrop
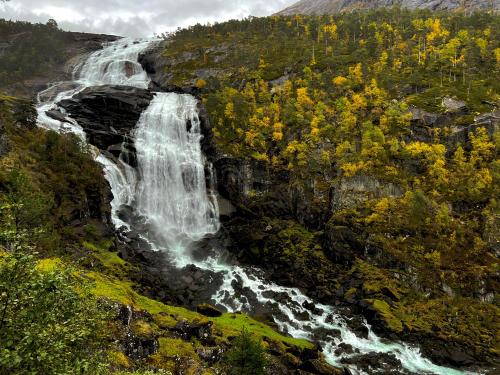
x,y
489,121
107,113
342,6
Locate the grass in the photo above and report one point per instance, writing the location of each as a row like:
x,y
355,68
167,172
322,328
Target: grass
x,y
167,316
233,324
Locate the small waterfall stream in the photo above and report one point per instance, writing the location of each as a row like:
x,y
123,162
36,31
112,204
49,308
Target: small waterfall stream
x,y
169,190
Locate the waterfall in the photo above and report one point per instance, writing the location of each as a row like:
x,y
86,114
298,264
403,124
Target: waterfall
x,y
172,191
116,64
169,190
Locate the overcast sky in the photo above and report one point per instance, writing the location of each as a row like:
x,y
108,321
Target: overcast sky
x,y
135,17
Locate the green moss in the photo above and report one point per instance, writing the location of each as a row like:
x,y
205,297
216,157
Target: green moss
x,y
113,289
233,324
167,316
350,293
171,347
118,360
387,315
49,264
378,281
457,319
170,350
142,329
110,260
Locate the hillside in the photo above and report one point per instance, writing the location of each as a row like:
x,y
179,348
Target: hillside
x,y
34,55
361,152
342,6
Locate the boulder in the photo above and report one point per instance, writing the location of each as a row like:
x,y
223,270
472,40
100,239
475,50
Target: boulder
x,y
461,134
319,367
455,106
107,113
208,310
423,117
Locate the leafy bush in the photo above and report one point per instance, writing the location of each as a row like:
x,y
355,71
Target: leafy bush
x,y
49,321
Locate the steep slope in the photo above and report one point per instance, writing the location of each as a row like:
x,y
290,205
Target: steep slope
x,y
340,6
329,132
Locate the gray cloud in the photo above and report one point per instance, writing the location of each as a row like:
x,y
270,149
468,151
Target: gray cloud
x,y
138,18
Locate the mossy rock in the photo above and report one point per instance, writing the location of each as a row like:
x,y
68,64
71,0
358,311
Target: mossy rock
x,y
118,360
171,351
142,329
385,312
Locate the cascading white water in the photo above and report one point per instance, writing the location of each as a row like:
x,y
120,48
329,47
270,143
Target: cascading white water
x,y
171,193
122,179
117,64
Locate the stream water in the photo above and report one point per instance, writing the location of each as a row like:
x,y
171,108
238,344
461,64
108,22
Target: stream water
x,y
169,189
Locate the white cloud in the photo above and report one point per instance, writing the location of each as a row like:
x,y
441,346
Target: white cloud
x,y
137,18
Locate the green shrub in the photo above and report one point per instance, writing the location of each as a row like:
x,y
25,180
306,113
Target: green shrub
x,y
49,321
246,357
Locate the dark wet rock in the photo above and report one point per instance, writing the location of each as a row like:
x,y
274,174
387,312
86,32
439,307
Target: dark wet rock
x,y
307,354
375,363
201,331
57,115
312,308
158,278
138,348
357,325
319,367
343,349
107,113
447,353
135,346
208,310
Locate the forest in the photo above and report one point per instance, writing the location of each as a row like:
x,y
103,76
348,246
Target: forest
x,y
331,100
29,50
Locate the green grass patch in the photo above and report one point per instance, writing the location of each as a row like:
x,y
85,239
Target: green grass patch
x,y
233,324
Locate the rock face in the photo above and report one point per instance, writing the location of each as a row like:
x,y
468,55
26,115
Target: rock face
x,y
107,113
340,6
